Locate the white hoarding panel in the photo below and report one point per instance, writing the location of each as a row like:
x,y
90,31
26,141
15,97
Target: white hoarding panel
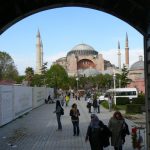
x,y
6,104
50,91
38,96
22,100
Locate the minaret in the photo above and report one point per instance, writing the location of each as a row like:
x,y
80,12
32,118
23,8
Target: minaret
x,y
126,52
140,58
119,56
39,54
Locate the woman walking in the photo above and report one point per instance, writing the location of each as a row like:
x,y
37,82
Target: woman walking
x,y
74,113
58,112
115,125
97,133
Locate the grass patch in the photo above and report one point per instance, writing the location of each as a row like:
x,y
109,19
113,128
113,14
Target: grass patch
x,y
120,107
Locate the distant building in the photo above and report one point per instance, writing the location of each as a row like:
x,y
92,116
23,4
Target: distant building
x,y
82,60
136,74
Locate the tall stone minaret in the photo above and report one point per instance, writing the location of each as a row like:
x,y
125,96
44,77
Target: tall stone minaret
x,y
119,56
39,54
126,52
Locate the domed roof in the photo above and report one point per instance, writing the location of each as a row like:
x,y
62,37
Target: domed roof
x,y
83,49
139,65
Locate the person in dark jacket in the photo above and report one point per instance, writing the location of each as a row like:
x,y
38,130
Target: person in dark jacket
x,y
97,133
74,113
116,125
95,105
58,111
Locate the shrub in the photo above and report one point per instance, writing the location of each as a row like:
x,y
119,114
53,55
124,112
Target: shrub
x,y
122,100
139,100
105,104
133,108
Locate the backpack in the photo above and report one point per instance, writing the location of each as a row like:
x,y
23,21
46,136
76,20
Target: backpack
x,y
124,131
62,111
106,135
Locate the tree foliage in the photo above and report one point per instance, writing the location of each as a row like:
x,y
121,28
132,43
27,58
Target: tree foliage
x,y
123,77
57,77
8,70
29,75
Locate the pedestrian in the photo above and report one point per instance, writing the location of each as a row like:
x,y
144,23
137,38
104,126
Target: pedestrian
x,y
98,105
95,103
116,125
97,133
58,112
67,99
89,104
74,113
110,101
62,101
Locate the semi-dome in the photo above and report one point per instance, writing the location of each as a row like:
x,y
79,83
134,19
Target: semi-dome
x,y
139,65
88,72
83,49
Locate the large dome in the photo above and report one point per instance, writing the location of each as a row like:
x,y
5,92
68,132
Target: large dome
x,y
83,49
139,65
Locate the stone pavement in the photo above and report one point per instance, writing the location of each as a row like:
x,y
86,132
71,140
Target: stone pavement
x,y
37,130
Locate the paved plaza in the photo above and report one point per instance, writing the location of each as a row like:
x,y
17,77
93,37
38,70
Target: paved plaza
x,y
37,130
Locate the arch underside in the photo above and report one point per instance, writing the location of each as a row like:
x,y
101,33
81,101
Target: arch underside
x,y
134,12
85,64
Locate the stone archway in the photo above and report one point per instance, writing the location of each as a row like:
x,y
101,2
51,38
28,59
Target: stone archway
x,y
85,63
134,12
131,11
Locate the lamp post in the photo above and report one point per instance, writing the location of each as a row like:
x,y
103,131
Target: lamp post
x,y
114,78
77,79
119,83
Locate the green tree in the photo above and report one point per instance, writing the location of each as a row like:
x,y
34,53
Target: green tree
x,y
37,80
57,77
20,79
29,75
103,81
44,68
72,82
8,70
123,77
44,71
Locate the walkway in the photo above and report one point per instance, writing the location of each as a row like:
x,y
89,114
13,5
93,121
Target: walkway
x,y
37,130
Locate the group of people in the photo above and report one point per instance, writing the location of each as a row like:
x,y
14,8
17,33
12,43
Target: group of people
x,y
98,134
93,101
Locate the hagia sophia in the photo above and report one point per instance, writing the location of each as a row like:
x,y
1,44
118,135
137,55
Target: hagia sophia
x,y
84,60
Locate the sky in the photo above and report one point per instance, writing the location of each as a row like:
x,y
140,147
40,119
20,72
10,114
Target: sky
x,y
62,29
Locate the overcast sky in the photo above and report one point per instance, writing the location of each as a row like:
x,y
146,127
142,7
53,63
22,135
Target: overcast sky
x,y
63,28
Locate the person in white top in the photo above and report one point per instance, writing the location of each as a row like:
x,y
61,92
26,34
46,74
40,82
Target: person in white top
x,y
110,100
89,104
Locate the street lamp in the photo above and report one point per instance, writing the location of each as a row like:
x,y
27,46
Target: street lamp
x,y
114,78
77,79
119,83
